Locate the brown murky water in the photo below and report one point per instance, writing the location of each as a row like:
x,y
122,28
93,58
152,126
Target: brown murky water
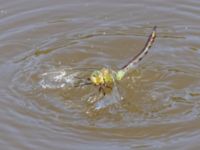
x,y
161,104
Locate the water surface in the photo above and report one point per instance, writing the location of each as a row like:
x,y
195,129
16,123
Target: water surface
x,y
160,108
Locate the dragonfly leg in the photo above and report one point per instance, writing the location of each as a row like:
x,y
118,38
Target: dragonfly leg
x,y
101,89
109,87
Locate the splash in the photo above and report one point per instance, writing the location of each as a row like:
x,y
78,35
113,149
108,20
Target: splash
x,y
58,79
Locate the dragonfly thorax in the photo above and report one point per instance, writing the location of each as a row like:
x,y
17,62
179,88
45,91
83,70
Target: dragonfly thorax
x,y
102,77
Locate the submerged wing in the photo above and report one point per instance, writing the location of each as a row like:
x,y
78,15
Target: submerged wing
x,y
103,101
113,98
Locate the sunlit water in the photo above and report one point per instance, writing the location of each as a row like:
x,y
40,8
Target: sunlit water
x,y
46,44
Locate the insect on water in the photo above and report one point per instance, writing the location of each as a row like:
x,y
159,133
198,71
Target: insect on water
x,y
104,79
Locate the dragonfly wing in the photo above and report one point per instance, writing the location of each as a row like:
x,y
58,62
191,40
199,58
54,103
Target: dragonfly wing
x,y
109,99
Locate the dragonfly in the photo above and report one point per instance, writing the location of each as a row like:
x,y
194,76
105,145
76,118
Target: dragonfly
x,y
103,79
106,77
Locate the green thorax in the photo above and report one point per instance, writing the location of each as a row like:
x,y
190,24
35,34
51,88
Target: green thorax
x,y
106,76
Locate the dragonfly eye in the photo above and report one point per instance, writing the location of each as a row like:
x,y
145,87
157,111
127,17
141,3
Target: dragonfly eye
x,y
96,77
95,74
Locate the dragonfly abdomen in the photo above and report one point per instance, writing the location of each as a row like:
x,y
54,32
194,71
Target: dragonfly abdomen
x,y
135,60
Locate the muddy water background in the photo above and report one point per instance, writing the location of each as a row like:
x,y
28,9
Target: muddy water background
x,y
161,105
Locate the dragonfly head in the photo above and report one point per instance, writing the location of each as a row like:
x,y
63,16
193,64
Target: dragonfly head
x,y
97,77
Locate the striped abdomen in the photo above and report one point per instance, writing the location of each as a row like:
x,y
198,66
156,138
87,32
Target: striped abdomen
x,y
134,61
